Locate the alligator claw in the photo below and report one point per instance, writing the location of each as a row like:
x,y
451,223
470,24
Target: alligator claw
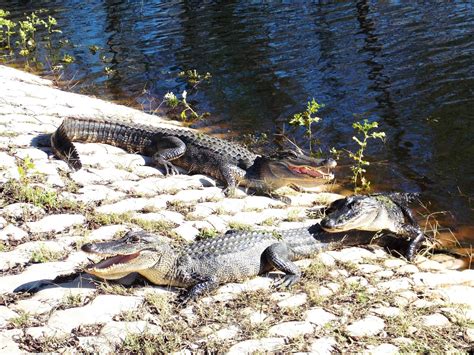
x,y
182,300
414,245
286,281
229,191
170,169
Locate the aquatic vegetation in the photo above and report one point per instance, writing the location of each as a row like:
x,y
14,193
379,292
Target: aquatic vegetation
x,y
187,112
194,78
26,43
363,130
6,30
306,119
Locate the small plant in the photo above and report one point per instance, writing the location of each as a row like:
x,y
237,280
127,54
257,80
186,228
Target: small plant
x,y
27,41
94,49
6,30
3,246
26,165
270,221
25,190
306,119
171,100
187,112
67,59
362,129
160,226
256,140
194,78
131,315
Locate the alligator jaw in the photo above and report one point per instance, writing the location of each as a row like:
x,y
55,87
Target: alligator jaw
x,y
114,267
311,171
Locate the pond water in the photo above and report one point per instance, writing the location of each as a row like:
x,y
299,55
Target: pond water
x,y
407,65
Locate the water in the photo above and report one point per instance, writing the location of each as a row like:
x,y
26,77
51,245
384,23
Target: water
x,y
407,65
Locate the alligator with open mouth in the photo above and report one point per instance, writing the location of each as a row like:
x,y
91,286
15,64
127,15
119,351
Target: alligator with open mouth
x,y
195,152
203,265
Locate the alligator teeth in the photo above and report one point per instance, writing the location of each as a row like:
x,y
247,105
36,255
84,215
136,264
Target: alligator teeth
x,y
115,260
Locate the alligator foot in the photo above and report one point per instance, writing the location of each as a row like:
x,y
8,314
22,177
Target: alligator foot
x,y
285,199
286,281
413,246
170,169
229,191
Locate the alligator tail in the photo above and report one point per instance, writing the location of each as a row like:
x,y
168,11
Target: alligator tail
x,y
64,149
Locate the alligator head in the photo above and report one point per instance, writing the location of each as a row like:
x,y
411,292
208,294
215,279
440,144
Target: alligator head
x,y
364,212
135,252
290,169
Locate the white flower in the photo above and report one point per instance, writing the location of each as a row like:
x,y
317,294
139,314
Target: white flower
x,y
184,94
169,96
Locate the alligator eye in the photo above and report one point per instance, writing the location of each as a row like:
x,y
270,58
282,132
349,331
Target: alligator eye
x,y
290,152
134,238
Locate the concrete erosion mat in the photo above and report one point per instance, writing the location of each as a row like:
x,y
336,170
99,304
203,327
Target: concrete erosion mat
x,y
357,299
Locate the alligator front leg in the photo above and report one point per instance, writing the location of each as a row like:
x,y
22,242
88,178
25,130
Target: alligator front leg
x,y
231,175
278,256
199,289
414,243
412,229
168,148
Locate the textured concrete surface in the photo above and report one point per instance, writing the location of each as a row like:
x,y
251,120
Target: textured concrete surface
x,y
351,300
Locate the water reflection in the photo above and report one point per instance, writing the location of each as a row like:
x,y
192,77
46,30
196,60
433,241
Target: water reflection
x,y
407,65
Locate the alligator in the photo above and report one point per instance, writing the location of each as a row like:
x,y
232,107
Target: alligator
x,y
195,152
376,212
203,265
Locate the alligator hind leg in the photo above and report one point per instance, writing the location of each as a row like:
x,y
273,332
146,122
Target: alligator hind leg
x,y
278,256
168,148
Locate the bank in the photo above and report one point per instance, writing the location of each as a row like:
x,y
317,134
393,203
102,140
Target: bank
x,y
354,299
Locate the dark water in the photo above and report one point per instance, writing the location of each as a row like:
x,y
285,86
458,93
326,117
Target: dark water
x,y
408,65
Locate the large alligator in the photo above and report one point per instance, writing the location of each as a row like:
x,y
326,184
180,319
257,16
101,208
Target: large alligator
x,y
201,266
204,265
376,212
195,152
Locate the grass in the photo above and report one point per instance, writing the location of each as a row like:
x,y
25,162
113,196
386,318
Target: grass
x,y
239,226
14,191
163,227
207,234
179,206
44,255
23,320
104,287
4,246
159,304
294,216
175,333
71,301
271,222
131,315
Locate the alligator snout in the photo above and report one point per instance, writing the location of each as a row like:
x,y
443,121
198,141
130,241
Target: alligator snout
x,y
328,223
87,247
329,163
